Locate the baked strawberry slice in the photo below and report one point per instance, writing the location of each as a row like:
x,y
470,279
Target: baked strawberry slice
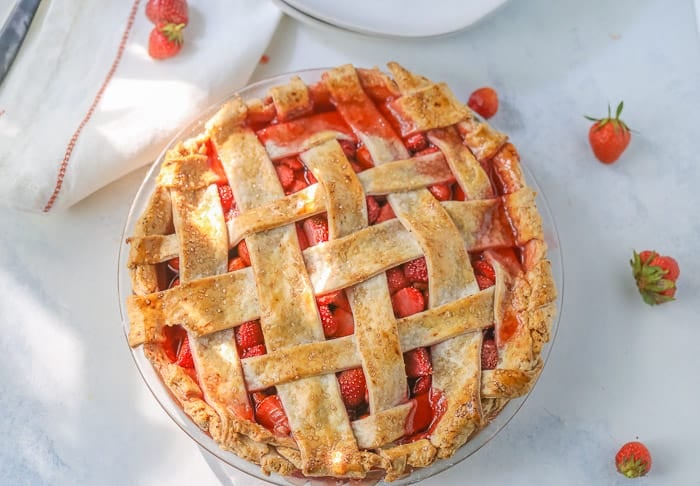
x,y
349,148
489,354
330,326
270,414
441,192
416,142
257,350
301,236
345,322
334,300
407,301
243,252
416,270
316,229
353,387
173,336
364,158
236,263
385,213
484,282
418,363
184,354
482,267
373,210
396,279
285,175
174,264
422,385
226,196
420,416
249,334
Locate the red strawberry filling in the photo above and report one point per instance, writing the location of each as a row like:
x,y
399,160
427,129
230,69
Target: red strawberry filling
x,y
407,283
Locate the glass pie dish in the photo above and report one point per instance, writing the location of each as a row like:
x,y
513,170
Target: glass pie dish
x,y
174,410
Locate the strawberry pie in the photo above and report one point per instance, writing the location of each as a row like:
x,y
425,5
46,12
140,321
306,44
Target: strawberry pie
x,y
342,279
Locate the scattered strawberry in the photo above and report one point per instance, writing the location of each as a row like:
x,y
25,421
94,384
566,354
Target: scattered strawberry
x,y
184,354
484,101
489,354
316,229
270,414
396,279
418,363
407,301
165,40
353,387
416,142
655,275
167,11
609,137
243,252
633,460
416,270
264,59
257,350
249,334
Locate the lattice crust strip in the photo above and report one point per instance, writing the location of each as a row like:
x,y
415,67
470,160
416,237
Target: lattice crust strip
x,y
184,219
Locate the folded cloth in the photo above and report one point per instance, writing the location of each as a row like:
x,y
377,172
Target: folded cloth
x,y
84,103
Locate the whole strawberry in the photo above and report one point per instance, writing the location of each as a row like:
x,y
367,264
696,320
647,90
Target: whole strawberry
x,y
656,276
165,40
633,460
609,137
167,11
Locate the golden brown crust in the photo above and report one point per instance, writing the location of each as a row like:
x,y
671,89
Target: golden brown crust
x,y
184,219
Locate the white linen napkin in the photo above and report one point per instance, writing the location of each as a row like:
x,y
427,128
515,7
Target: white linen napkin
x,y
84,104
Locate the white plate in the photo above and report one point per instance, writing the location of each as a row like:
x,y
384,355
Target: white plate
x,y
308,19
398,18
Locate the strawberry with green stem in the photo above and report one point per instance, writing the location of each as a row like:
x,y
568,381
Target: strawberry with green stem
x,y
656,276
609,136
633,460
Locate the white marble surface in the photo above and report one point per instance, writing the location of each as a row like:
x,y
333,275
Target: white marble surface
x,y
75,411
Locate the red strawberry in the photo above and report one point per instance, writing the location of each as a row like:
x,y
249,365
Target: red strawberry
x,y
301,236
416,142
334,300
345,321
352,387
330,326
173,336
243,252
184,354
420,416
633,460
407,301
385,213
422,385
257,350
458,193
285,175
489,354
484,101
308,177
292,162
270,414
418,363
482,267
373,210
174,283
167,11
484,282
429,150
396,279
236,264
174,264
655,275
416,270
442,192
349,148
226,196
316,229
249,334
609,137
364,158
165,40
